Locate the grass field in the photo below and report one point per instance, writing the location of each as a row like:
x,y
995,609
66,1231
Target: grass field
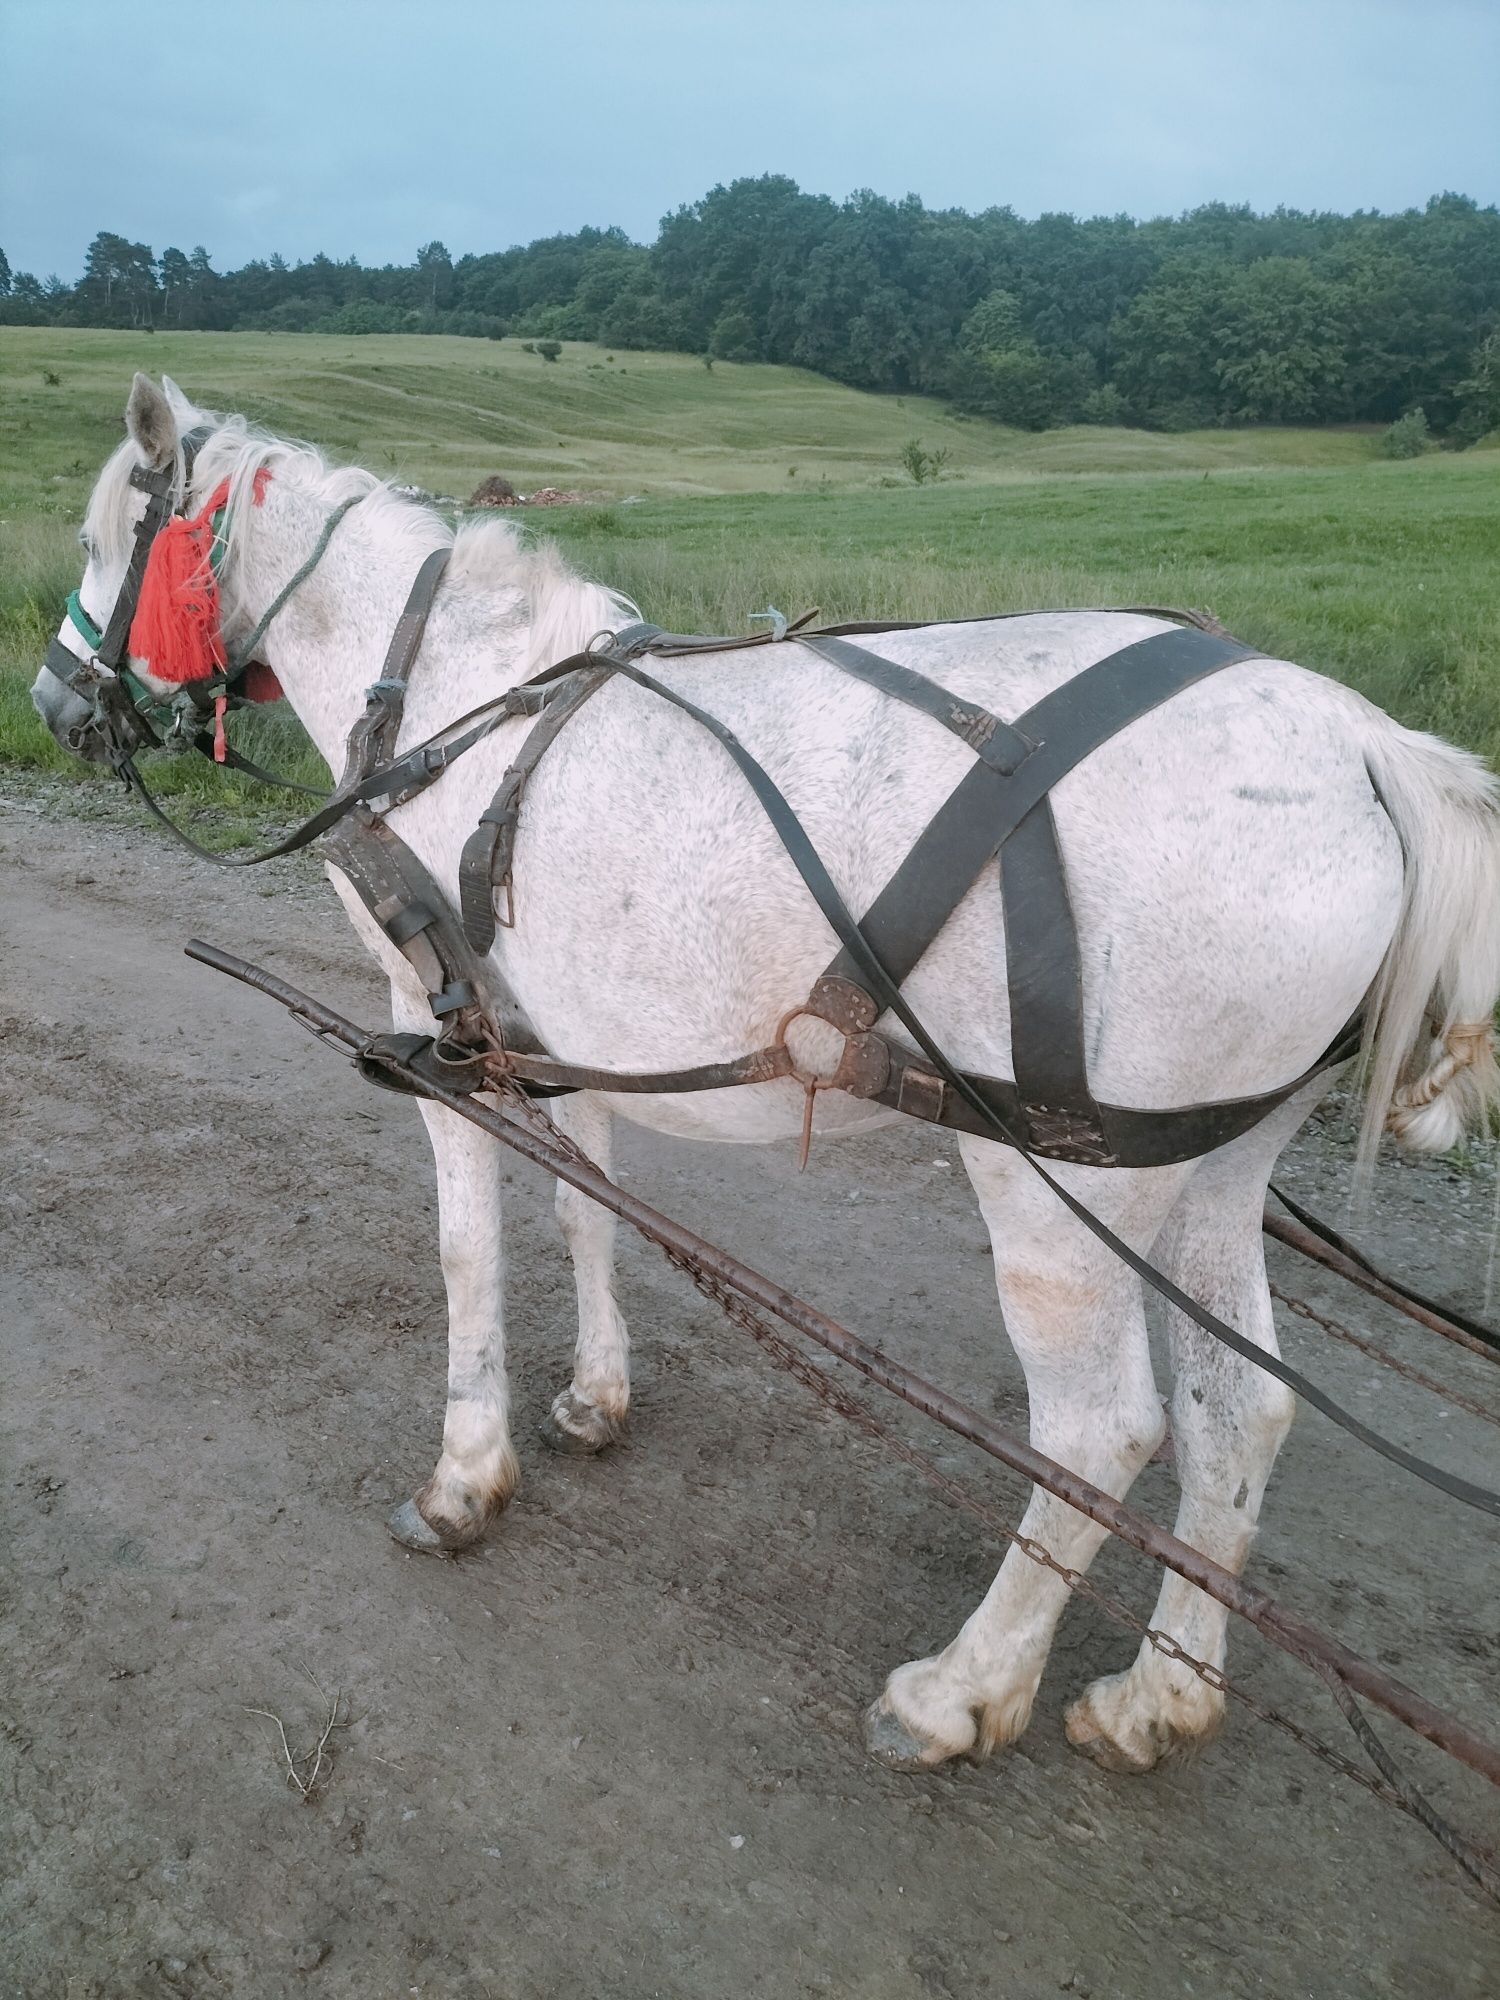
x,y
756,485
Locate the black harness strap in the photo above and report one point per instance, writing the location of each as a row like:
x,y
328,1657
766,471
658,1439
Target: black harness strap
x,y
1044,979
1131,1137
1052,1106
158,485
994,742
470,1002
400,900
989,803
372,740
1003,806
486,865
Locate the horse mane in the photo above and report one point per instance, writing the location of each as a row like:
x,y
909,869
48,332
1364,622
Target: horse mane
x,y
563,608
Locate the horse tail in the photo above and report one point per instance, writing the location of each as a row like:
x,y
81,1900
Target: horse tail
x,y
1429,1053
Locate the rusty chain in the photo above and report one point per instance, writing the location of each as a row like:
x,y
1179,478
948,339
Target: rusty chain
x,y
1383,1356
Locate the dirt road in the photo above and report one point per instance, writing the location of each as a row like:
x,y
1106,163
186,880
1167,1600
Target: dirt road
x,y
614,1753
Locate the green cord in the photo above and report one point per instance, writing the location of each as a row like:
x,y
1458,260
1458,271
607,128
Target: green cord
x,y
244,654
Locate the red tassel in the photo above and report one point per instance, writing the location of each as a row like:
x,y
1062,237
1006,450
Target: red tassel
x,y
221,741
175,631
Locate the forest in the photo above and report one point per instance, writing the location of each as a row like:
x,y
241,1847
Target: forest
x,y
1220,316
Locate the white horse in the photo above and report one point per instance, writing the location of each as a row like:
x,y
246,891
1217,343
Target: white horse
x,y
1248,864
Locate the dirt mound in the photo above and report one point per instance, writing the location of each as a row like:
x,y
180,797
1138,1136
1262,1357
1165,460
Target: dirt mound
x,y
494,492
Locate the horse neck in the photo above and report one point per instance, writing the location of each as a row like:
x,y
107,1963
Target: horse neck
x,y
329,642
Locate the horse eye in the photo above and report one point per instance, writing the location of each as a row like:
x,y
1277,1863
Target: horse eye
x,y
85,542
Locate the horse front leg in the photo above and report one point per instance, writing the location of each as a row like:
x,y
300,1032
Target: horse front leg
x,y
477,1472
590,1412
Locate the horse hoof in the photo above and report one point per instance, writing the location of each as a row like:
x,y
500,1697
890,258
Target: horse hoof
x,y
890,1742
1099,1725
412,1532
576,1429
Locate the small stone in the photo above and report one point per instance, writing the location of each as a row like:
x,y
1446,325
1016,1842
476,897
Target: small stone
x,y
308,1957
736,1840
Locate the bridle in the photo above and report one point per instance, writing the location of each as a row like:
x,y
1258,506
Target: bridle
x,y
124,715
121,709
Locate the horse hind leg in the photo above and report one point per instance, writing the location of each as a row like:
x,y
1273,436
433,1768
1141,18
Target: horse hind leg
x,y
1228,1421
1075,1318
590,1413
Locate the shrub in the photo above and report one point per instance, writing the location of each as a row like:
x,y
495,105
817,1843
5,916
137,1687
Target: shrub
x,y
548,349
362,316
733,338
1408,436
922,465
1104,405
1021,385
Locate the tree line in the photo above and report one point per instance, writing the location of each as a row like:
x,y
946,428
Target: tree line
x,y
1219,316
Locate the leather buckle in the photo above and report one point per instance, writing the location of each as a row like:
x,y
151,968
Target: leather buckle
x,y
1061,1134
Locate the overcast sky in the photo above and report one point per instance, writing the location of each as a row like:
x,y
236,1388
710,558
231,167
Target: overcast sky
x,y
366,127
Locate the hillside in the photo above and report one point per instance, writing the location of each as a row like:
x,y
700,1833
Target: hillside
x,y
448,412
1306,542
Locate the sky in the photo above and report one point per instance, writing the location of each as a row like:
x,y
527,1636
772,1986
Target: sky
x,y
365,127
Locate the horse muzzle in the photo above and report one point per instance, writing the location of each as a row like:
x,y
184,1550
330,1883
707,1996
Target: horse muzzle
x,y
87,709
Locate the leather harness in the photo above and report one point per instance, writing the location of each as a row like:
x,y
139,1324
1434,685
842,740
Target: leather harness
x,y
1001,809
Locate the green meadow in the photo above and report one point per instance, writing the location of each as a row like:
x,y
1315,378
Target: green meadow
x,y
718,492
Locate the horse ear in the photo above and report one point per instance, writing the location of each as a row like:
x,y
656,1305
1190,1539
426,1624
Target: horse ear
x,y
183,407
150,423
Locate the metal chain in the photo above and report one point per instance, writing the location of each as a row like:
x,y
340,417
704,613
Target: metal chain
x,y
1478,1862
1380,1354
